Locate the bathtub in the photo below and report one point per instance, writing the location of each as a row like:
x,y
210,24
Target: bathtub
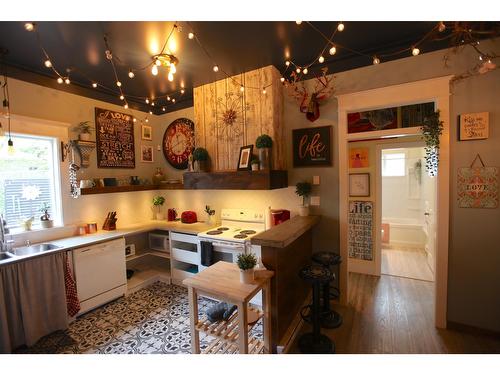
x,y
408,232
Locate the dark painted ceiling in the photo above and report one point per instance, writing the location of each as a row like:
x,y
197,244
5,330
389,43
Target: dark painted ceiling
x,y
235,46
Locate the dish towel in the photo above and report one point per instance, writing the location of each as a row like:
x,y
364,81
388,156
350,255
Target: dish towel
x,y
206,253
72,302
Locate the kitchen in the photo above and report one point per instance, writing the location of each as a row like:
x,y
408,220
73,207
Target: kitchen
x,y
125,262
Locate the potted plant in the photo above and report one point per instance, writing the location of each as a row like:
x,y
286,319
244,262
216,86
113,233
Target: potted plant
x,y
303,189
158,202
264,144
84,130
45,220
255,163
211,215
246,263
200,157
432,129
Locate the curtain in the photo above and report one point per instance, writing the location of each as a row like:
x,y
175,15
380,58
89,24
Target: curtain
x,y
32,300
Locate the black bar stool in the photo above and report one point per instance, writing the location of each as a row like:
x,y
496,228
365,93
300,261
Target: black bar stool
x,y
329,317
314,342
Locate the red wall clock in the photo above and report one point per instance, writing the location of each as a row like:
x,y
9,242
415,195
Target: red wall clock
x,y
178,142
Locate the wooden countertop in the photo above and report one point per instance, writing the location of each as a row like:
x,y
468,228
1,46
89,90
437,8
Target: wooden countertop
x,y
284,234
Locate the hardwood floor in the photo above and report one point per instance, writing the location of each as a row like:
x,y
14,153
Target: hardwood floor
x,y
395,315
406,262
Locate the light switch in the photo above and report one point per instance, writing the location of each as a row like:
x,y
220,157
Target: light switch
x,y
158,148
315,201
315,180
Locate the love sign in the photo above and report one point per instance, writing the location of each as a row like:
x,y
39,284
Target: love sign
x,y
312,146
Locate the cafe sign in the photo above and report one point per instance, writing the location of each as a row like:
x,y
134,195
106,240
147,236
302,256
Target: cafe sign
x,y
478,186
312,146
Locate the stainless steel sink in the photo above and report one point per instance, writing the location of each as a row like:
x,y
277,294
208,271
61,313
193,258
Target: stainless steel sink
x,y
34,249
4,256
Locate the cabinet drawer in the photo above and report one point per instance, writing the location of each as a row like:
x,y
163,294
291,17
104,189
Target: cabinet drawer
x,y
181,237
185,255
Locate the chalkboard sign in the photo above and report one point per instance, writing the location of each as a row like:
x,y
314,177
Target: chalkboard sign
x,y
115,139
312,146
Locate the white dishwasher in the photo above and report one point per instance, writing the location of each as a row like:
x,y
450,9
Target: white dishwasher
x,y
100,273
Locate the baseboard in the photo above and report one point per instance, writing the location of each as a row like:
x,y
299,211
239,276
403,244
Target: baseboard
x,y
471,329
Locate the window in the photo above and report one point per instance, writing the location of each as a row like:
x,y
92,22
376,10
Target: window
x,y
393,163
28,180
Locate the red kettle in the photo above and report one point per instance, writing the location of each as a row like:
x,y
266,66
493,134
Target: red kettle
x,y
189,217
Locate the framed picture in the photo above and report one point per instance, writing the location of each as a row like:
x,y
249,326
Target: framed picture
x,y
147,133
312,146
359,184
474,126
358,158
245,158
146,154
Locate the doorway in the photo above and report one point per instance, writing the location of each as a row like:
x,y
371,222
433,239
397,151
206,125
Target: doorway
x,y
407,196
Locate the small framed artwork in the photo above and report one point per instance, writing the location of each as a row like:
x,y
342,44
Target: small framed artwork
x,y
474,126
146,154
146,133
245,158
358,158
359,184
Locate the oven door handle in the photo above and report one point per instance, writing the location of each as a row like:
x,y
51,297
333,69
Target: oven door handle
x,y
225,244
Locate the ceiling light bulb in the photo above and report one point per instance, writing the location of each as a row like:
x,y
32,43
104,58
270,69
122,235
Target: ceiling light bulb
x,y
173,69
297,70
305,71
157,62
298,22
376,60
94,85
131,74
147,101
321,59
29,26
60,80
242,88
122,97
441,27
135,120
48,64
480,58
147,120
125,106
264,91
170,76
67,81
216,68
340,27
333,50
415,51
173,100
168,98
182,91
282,79
150,112
153,104
163,109
154,70
118,83
191,36
287,63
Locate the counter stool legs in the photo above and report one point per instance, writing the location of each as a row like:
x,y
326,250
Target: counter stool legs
x,y
329,317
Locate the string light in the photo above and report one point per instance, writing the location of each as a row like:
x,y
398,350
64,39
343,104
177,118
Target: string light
x,y
152,104
94,85
134,119
297,70
29,26
173,100
147,120
340,27
157,62
67,81
333,50
125,106
282,79
147,101
168,98
173,69
150,112
118,83
298,22
376,60
191,36
131,74
48,64
122,97
264,91
415,51
321,59
182,91
170,76
163,109
441,27
154,70
305,71
60,80
287,63
216,68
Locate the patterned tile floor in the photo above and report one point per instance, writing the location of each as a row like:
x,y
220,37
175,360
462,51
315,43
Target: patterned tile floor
x,y
151,320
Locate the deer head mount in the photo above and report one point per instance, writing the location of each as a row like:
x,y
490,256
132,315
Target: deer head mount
x,y
309,102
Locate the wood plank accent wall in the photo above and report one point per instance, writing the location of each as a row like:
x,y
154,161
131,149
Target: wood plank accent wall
x,y
256,113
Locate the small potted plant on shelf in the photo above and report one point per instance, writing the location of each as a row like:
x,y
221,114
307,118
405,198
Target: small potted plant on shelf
x,y
45,220
264,144
211,215
84,130
246,263
158,202
255,163
303,189
200,157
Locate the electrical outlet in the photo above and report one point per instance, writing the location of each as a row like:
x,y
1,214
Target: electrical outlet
x,y
315,201
315,180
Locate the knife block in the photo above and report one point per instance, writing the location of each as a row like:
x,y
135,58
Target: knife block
x,y
110,222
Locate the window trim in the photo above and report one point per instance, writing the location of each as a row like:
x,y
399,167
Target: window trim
x,y
395,151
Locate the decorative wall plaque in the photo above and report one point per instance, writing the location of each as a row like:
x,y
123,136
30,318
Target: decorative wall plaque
x,y
360,230
477,186
312,146
474,126
115,139
359,157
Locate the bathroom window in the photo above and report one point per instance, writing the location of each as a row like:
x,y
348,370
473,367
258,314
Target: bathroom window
x,y
29,180
393,163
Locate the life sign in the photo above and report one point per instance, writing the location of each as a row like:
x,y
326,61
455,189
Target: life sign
x,y
312,146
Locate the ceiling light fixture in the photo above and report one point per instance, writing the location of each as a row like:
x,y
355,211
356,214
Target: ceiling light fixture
x,y
170,76
154,70
167,60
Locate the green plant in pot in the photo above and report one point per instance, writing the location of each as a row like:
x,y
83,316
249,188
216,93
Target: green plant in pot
x,y
200,158
264,144
303,189
84,129
255,162
45,220
158,202
246,263
432,128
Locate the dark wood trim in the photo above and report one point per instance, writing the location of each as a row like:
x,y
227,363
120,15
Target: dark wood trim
x,y
127,188
242,180
455,326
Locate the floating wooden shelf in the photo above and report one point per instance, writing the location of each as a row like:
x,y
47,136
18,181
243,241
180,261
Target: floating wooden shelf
x,y
126,188
244,180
